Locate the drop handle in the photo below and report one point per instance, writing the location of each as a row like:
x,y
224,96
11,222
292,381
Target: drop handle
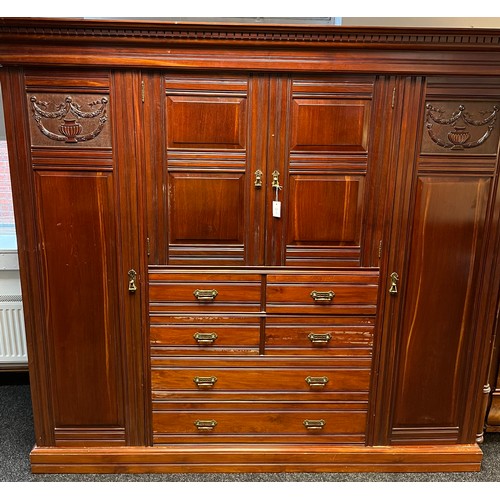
x,y
258,178
275,184
132,276
393,290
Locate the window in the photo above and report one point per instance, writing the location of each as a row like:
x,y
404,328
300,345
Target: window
x,y
7,229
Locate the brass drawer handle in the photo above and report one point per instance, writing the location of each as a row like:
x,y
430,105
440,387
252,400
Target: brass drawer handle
x,y
205,381
319,338
205,425
205,294
314,424
205,338
322,296
317,381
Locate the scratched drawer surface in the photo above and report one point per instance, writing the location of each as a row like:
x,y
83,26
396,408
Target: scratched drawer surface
x,y
339,293
319,336
204,336
198,292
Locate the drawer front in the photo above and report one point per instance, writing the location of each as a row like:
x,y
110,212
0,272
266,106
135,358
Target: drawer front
x,y
201,381
204,293
319,336
339,293
195,336
309,425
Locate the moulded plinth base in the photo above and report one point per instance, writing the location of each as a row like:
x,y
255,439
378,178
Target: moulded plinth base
x,y
257,458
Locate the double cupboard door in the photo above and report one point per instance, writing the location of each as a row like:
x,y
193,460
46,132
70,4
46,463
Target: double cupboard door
x,y
265,170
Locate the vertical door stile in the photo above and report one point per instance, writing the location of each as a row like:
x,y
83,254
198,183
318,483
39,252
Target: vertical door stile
x,y
381,195
400,179
23,192
257,169
154,165
277,158
127,148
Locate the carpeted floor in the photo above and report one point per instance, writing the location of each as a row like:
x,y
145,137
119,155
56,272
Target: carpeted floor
x,y
17,438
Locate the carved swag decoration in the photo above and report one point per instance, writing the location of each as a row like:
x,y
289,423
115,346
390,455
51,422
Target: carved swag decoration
x,y
459,137
69,112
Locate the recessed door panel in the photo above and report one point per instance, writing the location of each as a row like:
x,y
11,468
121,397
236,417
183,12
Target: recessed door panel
x,y
204,122
206,208
448,228
330,125
325,210
79,268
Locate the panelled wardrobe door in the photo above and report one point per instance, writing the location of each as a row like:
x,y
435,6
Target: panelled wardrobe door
x,y
444,279
73,123
214,131
326,165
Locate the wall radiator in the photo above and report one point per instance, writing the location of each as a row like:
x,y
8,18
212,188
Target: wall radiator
x,y
12,334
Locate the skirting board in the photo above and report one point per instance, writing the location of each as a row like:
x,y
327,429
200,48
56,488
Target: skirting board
x,y
258,458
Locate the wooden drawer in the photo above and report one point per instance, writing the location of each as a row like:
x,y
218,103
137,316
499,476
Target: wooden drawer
x,y
350,293
225,424
208,336
200,382
204,293
319,336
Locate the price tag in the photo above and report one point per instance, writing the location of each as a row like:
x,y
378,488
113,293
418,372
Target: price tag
x,y
277,209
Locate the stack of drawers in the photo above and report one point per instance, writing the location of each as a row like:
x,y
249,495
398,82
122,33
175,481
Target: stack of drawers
x,y
267,357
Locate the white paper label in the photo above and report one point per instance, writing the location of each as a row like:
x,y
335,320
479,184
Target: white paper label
x,y
277,209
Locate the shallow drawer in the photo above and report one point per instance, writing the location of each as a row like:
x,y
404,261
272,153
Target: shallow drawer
x,y
309,425
204,336
313,380
319,336
204,293
339,293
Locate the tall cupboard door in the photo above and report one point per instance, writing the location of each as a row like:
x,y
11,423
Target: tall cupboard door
x,y
207,168
75,180
329,136
437,299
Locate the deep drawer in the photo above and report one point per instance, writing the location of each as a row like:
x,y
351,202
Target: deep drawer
x,y
204,335
267,425
313,380
204,293
319,336
349,293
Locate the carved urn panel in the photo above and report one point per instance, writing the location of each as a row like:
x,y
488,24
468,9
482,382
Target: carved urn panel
x,y
68,120
460,126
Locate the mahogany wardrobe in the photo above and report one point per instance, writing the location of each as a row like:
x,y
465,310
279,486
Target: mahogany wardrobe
x,y
255,247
